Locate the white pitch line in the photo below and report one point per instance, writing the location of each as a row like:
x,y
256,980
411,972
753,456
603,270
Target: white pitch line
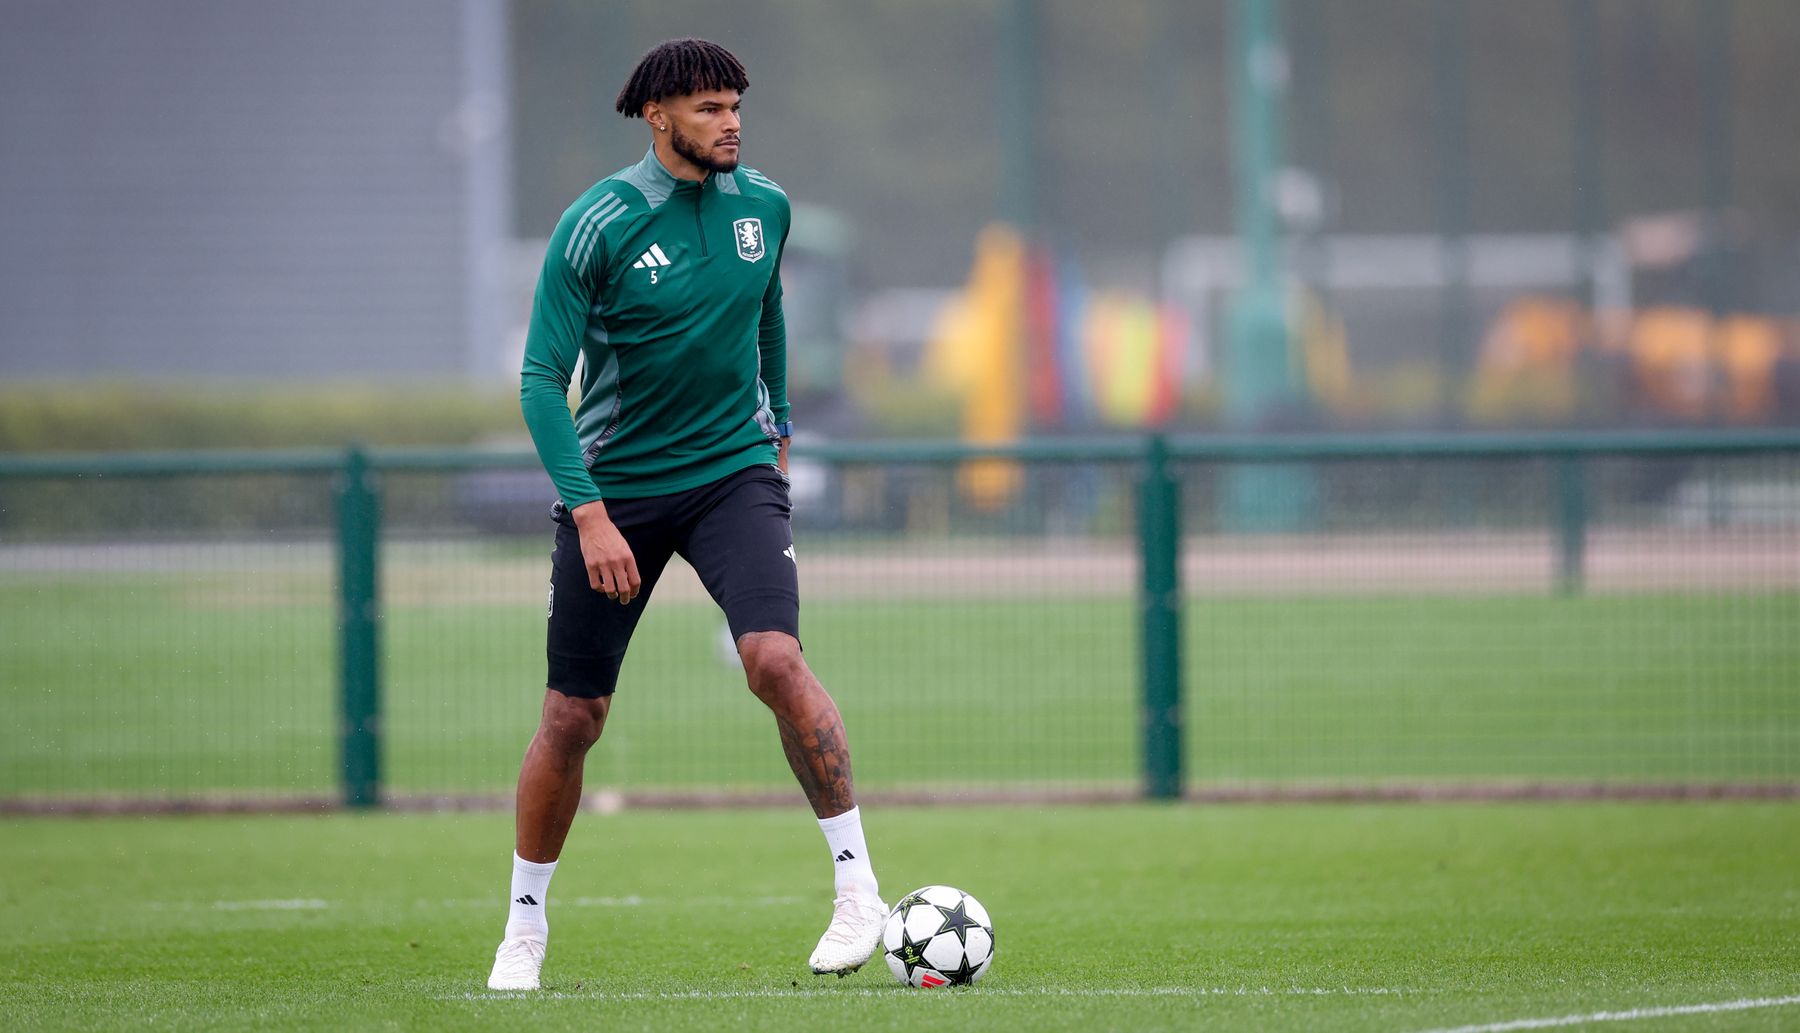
x,y
637,901
308,904
1625,1016
896,991
632,901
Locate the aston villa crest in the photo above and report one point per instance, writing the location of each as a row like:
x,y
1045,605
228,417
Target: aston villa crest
x,y
749,239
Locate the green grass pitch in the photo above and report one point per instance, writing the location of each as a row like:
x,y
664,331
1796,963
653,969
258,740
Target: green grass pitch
x,y
1393,918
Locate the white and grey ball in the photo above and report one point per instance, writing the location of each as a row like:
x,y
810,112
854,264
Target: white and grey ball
x,y
938,936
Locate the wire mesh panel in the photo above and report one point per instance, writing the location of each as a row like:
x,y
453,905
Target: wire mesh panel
x,y
465,566
1496,622
977,624
976,640
1471,621
166,638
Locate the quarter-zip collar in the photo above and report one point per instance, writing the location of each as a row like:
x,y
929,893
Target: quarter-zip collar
x,y
658,184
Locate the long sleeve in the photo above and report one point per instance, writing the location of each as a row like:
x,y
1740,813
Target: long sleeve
x,y
771,341
559,317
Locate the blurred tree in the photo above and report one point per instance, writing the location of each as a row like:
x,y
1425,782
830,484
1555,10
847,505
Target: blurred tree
x,y
889,113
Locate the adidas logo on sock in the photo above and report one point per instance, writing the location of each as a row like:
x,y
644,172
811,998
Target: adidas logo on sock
x,y
527,899
846,855
652,258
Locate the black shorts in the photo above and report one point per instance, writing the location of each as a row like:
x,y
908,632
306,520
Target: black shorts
x,y
734,532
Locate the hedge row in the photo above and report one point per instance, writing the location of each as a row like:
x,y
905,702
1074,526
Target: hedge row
x,y
116,416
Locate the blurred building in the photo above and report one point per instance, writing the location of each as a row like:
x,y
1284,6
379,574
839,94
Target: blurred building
x,y
361,190
196,188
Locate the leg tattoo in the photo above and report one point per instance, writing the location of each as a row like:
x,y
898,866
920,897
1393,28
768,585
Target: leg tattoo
x,y
820,760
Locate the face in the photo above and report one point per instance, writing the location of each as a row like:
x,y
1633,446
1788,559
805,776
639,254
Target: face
x,y
703,127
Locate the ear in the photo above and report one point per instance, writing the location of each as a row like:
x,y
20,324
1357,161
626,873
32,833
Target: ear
x,y
655,116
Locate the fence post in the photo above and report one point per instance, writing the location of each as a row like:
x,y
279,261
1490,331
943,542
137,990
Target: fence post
x,y
1159,530
1571,523
359,535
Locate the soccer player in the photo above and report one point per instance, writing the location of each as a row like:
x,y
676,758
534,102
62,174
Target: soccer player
x,y
665,279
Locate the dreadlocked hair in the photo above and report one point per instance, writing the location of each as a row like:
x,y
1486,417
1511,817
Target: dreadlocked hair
x,y
678,67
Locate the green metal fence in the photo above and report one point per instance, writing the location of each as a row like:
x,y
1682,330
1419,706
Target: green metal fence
x,y
1111,618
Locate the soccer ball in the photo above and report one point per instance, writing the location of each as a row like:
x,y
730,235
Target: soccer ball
x,y
938,936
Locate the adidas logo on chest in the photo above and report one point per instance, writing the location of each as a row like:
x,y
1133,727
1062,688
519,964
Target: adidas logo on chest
x,y
652,259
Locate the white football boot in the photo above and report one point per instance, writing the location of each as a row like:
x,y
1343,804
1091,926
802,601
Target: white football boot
x,y
850,939
517,964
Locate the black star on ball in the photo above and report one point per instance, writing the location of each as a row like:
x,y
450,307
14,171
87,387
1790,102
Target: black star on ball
x,y
911,952
957,920
963,974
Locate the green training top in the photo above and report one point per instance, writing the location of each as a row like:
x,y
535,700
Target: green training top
x,y
670,290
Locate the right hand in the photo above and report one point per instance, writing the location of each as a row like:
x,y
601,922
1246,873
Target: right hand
x,y
610,565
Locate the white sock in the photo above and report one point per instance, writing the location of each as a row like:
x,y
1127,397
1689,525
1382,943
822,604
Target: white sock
x,y
850,855
530,894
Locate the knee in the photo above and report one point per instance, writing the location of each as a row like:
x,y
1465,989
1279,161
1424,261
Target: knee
x,y
571,724
772,663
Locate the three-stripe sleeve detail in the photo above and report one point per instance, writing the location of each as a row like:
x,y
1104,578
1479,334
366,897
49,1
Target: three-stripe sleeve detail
x,y
575,239
587,230
594,237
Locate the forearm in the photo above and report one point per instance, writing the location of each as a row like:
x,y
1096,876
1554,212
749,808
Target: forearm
x,y
546,411
774,372
771,345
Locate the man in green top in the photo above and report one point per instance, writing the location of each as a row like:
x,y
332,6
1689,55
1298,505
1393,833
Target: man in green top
x,y
664,279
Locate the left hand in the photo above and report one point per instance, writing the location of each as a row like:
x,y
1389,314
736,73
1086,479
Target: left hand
x,y
781,448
